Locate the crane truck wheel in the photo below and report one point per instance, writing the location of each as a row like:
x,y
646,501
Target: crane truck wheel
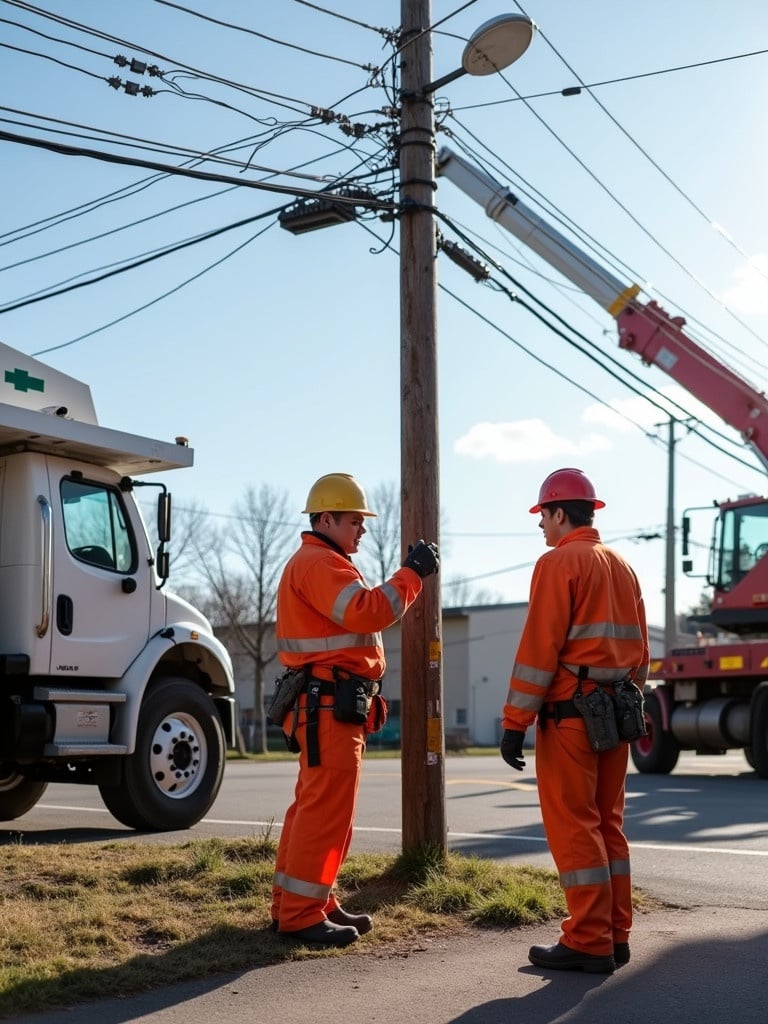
x,y
17,794
174,775
759,731
656,753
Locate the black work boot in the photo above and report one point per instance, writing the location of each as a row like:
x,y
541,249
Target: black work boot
x,y
621,953
363,922
324,932
563,958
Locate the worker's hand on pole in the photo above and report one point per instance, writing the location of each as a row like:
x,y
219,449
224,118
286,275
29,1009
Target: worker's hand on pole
x,y
423,558
511,748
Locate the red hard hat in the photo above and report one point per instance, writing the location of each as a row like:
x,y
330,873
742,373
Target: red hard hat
x,y
567,485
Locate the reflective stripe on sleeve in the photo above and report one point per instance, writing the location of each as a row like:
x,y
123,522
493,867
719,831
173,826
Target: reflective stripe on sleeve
x,y
341,603
605,630
311,890
620,867
317,645
395,601
538,676
524,701
585,876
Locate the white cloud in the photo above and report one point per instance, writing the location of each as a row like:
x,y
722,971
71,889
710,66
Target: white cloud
x,y
749,292
616,416
524,441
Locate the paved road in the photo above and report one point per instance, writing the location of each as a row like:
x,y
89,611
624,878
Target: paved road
x,y
699,835
699,839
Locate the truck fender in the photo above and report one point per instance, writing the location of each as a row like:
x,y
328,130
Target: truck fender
x,y
664,698
174,645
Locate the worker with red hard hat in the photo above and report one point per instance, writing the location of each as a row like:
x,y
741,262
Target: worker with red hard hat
x,y
328,628
585,637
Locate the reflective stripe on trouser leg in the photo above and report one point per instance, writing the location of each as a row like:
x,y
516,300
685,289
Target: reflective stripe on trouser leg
x,y
320,830
581,795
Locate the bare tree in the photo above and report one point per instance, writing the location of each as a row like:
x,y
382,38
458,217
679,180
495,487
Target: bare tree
x,y
380,556
458,592
241,564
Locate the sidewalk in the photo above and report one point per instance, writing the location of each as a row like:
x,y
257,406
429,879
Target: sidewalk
x,y
688,966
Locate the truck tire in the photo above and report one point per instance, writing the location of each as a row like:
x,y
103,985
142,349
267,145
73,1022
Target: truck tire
x,y
175,772
17,794
656,753
759,731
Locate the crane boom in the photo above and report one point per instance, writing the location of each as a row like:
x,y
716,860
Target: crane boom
x,y
644,328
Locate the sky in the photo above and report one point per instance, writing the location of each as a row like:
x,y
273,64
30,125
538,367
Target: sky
x,y
278,355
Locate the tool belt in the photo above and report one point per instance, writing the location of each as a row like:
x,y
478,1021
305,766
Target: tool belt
x,y
608,717
557,710
353,698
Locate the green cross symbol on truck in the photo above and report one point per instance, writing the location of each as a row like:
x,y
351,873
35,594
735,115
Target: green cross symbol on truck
x,y
22,381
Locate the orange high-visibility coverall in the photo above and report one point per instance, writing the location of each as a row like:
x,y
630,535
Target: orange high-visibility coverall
x,y
585,609
327,616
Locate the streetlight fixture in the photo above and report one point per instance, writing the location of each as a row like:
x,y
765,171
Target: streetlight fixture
x,y
495,45
492,47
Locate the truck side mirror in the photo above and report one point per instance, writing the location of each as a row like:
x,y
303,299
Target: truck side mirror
x,y
163,564
686,533
164,517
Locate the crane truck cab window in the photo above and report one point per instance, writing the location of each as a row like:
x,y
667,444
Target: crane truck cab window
x,y
96,526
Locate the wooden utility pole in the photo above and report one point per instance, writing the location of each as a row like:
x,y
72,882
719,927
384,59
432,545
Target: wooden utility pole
x,y
670,615
423,745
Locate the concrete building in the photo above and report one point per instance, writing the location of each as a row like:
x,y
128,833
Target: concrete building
x,y
479,644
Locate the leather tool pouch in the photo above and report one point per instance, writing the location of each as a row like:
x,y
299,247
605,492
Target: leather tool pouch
x,y
597,710
377,716
354,696
628,703
288,686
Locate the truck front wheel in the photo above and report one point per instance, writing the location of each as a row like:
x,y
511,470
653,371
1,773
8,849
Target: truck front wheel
x,y
174,774
656,753
17,794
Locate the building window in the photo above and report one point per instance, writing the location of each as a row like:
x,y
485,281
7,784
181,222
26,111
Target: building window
x,y
461,716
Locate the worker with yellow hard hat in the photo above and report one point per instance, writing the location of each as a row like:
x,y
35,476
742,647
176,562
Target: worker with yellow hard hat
x,y
329,624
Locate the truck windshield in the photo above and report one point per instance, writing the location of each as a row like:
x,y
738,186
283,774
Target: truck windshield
x,y
744,541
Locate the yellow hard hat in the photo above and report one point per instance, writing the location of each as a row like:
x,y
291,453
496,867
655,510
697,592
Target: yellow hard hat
x,y
337,492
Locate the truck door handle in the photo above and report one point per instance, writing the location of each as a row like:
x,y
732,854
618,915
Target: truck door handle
x,y
65,614
45,565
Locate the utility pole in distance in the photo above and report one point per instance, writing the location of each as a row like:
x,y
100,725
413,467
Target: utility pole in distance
x,y
423,751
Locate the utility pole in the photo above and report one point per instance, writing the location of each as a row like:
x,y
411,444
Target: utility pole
x,y
423,748
670,618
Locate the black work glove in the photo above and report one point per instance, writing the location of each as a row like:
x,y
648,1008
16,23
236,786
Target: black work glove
x,y
511,748
423,558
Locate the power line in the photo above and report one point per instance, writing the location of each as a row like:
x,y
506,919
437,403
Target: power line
x,y
186,172
684,195
592,244
574,90
171,291
261,35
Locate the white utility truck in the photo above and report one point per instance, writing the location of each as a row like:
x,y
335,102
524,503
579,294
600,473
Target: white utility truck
x,y
105,678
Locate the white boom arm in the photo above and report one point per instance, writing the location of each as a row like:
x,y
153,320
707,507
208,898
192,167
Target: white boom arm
x,y
503,206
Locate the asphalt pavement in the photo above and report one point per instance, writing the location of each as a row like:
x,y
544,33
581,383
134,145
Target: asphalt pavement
x,y
687,966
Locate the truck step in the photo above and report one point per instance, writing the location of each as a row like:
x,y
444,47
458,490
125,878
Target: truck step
x,y
83,749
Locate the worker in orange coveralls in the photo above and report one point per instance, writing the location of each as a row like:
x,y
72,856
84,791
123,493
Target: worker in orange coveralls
x,y
328,623
586,619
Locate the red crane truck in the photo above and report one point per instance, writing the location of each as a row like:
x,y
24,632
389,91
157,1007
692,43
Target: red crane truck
x,y
711,697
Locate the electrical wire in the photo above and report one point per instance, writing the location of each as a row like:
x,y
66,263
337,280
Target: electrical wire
x,y
387,33
187,172
592,244
55,39
261,35
681,192
571,90
164,295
